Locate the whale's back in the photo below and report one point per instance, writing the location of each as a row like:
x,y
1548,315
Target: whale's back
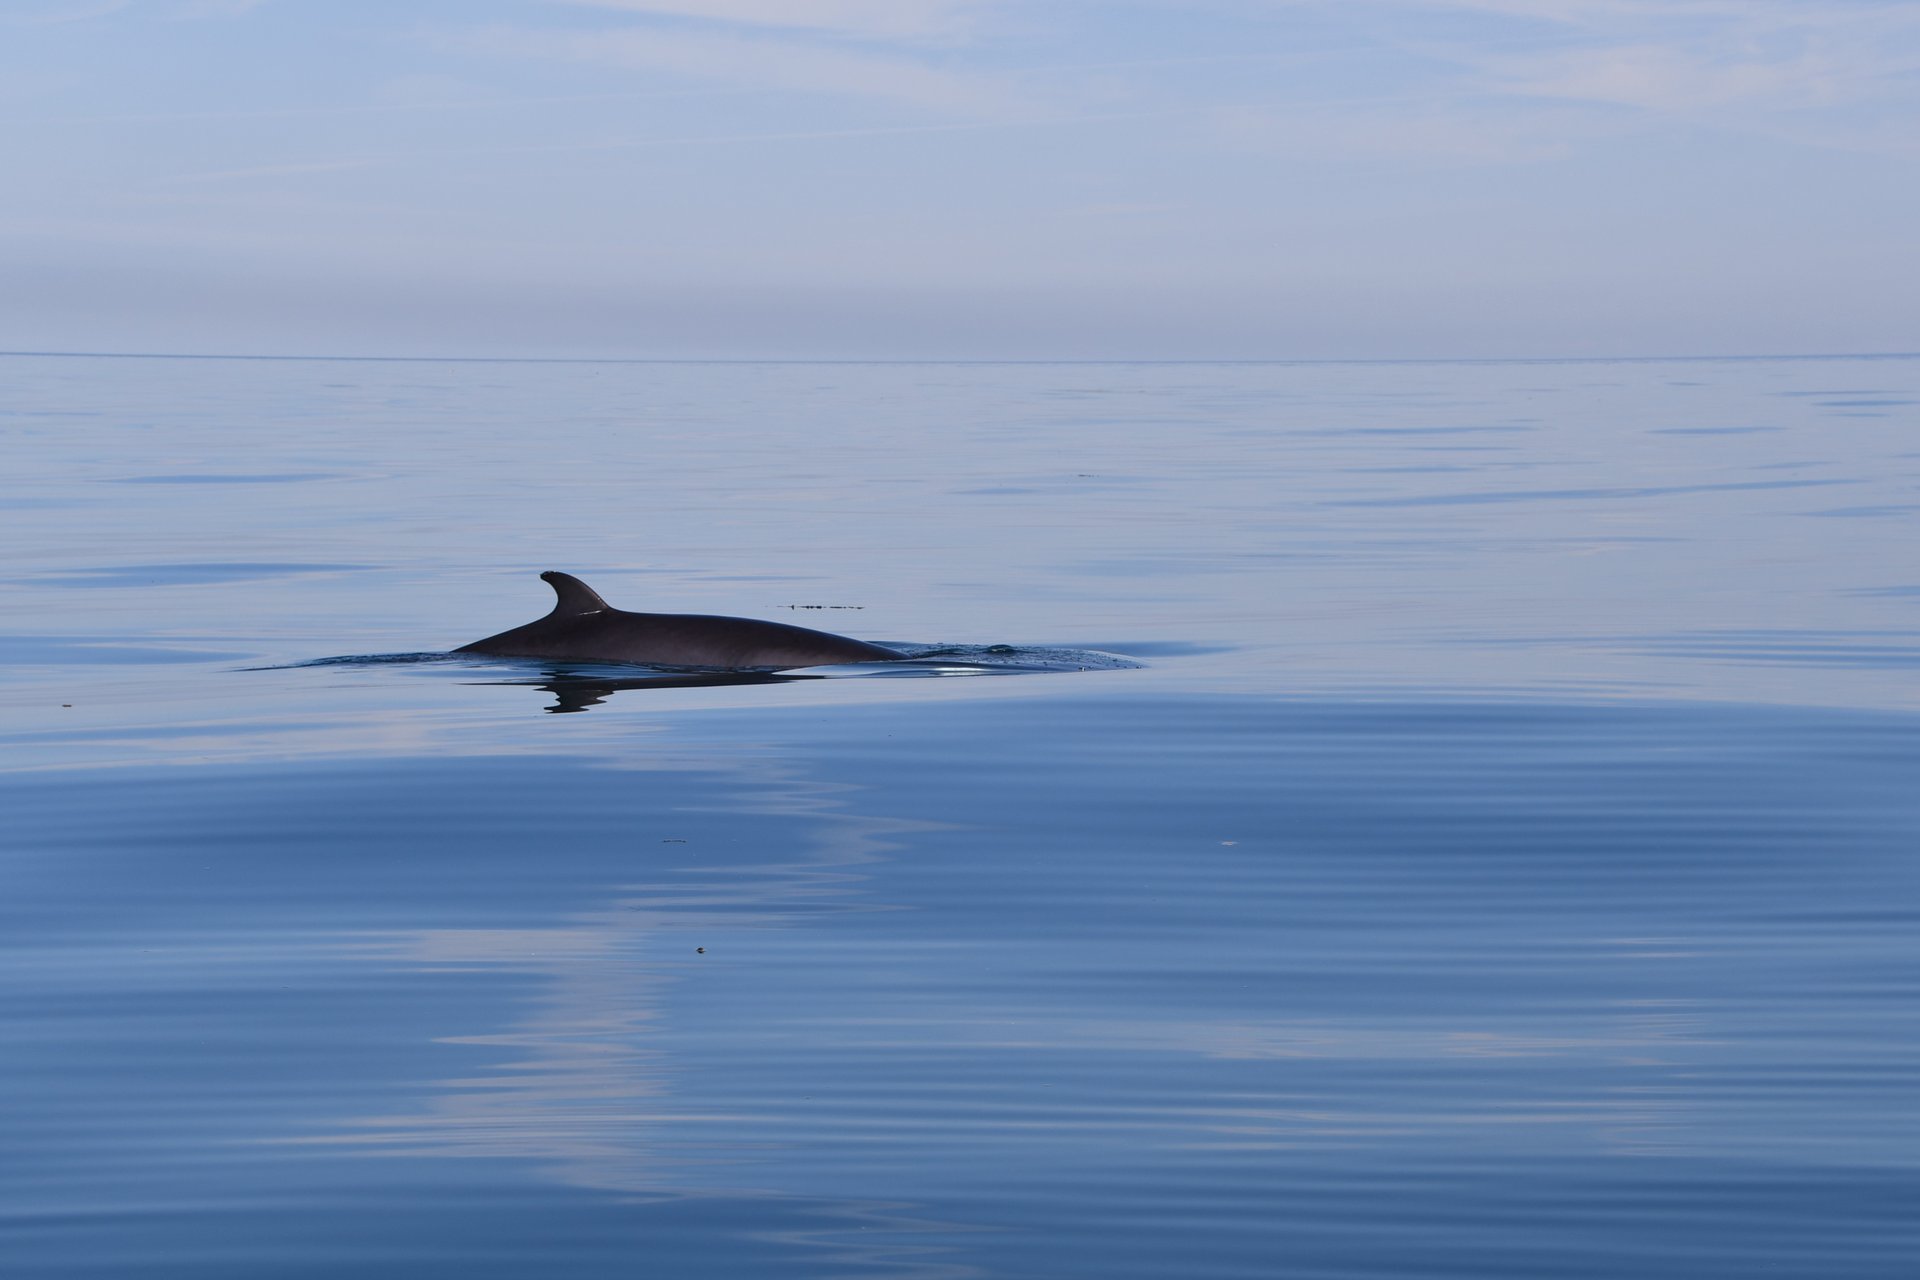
x,y
677,640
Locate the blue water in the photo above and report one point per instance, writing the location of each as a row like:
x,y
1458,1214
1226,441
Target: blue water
x,y
1490,851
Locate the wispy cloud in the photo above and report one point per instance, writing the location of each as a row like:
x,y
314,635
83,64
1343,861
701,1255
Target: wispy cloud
x,y
867,19
763,63
1842,74
399,159
58,14
1400,132
280,170
1688,56
1625,13
52,13
216,8
1663,78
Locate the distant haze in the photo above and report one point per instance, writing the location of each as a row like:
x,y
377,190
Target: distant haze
x,y
898,179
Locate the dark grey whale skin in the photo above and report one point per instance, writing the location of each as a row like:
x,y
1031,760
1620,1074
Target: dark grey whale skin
x,y
585,628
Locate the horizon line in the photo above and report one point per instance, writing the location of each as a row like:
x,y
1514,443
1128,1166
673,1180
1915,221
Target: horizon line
x,y
950,360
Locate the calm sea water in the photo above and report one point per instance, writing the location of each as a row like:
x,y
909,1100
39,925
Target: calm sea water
x,y
1502,861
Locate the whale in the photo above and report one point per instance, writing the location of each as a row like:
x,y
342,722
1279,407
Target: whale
x,y
585,628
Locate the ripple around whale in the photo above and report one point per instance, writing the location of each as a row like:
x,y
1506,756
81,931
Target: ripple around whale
x,y
576,686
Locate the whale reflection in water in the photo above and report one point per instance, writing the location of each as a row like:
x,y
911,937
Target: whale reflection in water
x,y
576,690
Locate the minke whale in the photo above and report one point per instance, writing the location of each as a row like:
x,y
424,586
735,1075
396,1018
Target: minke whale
x,y
585,628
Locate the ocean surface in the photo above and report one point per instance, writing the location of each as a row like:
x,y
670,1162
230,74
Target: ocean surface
x,y
1374,820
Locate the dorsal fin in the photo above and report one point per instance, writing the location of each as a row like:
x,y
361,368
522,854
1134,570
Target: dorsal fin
x,y
575,595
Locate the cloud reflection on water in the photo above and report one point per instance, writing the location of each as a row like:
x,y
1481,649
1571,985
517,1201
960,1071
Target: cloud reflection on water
x,y
586,1088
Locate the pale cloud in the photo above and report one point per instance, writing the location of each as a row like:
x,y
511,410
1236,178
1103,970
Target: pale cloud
x,y
1403,133
869,19
760,63
1666,79
1525,80
276,170
52,15
216,8
1640,13
1746,63
1741,63
57,14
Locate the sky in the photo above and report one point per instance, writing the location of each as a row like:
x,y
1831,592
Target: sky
x,y
960,179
